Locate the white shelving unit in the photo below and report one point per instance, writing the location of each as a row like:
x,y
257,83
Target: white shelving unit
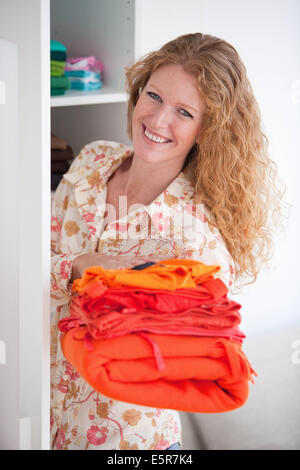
x,y
104,29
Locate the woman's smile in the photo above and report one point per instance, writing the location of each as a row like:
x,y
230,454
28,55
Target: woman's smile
x,y
154,137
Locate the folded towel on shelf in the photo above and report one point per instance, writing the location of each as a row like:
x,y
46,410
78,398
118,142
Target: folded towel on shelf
x,y
83,74
58,56
84,63
60,154
85,86
58,142
62,82
57,46
84,79
59,166
175,350
57,91
61,157
57,68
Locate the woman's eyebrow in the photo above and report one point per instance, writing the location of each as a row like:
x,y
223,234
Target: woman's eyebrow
x,y
178,104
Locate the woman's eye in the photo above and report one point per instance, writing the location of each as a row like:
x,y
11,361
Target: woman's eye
x,y
156,97
185,113
153,95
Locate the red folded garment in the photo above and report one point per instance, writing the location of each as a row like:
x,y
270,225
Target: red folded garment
x,y
99,296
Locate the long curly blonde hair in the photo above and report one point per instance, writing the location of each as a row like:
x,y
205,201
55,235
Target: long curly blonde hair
x,y
233,174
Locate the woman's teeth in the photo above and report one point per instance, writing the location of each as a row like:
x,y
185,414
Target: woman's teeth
x,y
158,140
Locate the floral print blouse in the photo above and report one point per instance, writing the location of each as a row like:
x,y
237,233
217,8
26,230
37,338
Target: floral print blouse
x,y
172,226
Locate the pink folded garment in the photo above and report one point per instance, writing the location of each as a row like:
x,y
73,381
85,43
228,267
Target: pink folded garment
x,y
114,324
84,63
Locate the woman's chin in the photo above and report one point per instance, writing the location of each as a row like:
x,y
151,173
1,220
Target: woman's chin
x,y
147,156
150,152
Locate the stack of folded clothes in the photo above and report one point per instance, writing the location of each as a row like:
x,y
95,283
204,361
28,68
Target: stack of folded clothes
x,y
163,336
59,81
84,73
61,157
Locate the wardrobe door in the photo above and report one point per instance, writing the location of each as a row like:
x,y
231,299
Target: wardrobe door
x,y
25,226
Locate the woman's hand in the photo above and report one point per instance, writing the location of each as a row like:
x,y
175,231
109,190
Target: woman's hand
x,y
83,262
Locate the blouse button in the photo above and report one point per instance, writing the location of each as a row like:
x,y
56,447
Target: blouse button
x,y
138,228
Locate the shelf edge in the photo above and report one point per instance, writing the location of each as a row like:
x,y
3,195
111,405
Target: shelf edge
x,y
62,101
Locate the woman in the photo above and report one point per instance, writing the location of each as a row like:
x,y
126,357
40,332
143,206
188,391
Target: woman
x,y
197,184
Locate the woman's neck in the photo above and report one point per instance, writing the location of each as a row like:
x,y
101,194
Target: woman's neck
x,y
144,181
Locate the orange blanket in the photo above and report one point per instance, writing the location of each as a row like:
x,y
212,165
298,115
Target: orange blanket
x,y
200,374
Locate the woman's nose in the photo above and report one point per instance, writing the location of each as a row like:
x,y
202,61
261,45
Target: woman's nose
x,y
162,117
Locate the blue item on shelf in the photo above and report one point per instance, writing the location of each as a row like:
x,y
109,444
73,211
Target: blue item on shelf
x,y
83,74
85,86
57,46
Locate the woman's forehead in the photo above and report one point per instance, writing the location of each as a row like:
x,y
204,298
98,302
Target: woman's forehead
x,y
173,81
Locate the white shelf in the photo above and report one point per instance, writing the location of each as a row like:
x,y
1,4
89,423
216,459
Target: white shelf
x,y
76,97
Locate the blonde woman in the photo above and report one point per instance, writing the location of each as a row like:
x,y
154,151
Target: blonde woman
x,y
197,183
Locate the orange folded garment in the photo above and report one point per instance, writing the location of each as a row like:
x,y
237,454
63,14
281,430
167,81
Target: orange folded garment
x,y
168,274
199,374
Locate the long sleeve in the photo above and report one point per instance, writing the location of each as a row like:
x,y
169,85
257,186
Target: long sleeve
x,y
67,233
61,257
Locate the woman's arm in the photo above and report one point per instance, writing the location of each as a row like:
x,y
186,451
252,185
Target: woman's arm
x,y
62,256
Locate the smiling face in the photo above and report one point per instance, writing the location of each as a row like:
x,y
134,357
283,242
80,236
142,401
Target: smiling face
x,y
167,117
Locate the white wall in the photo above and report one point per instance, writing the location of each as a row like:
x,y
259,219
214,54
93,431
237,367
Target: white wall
x,y
267,36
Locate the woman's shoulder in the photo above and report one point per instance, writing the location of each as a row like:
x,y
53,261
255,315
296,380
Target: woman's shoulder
x,y
97,156
94,153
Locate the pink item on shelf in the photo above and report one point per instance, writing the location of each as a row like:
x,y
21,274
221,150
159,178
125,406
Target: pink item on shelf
x,y
83,63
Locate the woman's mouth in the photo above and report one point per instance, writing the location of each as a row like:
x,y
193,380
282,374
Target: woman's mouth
x,y
153,138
